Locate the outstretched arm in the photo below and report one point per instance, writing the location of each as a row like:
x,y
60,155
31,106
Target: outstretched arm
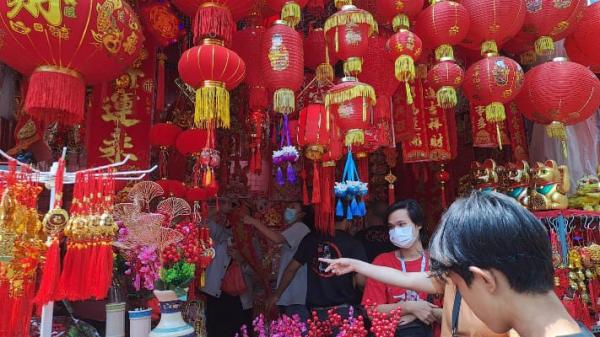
x,y
417,281
270,234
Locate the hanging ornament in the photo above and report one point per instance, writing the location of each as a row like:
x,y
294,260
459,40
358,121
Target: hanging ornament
x,y
161,23
291,10
350,192
164,135
324,212
445,78
443,25
575,54
283,65
405,48
347,33
285,156
321,58
522,46
399,12
245,44
314,136
212,70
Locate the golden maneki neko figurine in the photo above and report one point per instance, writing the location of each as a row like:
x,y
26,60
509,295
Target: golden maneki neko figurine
x,y
485,176
551,183
516,181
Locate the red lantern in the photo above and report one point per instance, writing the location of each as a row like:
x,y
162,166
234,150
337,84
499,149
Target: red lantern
x,y
172,188
283,65
405,48
523,46
313,132
549,20
493,23
588,31
377,72
399,12
335,150
64,46
576,55
213,70
238,8
443,25
527,108
245,44
320,58
291,10
347,32
191,142
164,134
161,23
351,103
445,78
494,81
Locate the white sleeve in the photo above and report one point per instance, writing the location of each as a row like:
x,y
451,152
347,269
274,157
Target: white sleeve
x,y
294,234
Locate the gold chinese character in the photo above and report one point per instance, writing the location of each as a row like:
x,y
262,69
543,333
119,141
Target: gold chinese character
x,y
434,124
481,124
416,141
433,108
49,9
437,141
480,110
430,94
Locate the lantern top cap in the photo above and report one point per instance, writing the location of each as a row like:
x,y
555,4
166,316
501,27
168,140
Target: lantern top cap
x,y
447,58
279,22
348,7
347,79
212,42
559,59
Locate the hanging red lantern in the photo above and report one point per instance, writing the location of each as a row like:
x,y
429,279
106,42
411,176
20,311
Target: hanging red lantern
x,y
443,25
245,44
347,32
377,72
576,55
213,70
283,65
588,31
313,132
527,108
549,20
161,23
64,47
291,10
238,8
351,104
191,141
320,58
494,81
164,134
523,46
493,23
445,78
563,92
399,12
405,48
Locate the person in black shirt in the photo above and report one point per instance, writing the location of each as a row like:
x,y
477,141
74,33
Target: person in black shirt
x,y
325,290
375,238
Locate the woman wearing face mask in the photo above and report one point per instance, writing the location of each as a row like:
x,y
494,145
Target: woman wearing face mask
x,y
405,220
293,300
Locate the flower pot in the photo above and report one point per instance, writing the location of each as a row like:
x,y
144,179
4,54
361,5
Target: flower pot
x,y
171,322
115,320
140,323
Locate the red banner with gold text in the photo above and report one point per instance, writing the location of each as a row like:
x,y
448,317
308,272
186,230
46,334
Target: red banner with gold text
x,y
518,138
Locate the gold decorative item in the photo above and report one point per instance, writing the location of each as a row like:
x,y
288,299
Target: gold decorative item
x,y
551,183
587,196
485,176
516,180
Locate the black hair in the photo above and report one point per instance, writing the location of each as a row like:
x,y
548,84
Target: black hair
x,y
492,231
415,213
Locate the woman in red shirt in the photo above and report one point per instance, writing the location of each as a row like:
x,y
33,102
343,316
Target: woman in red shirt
x,y
405,220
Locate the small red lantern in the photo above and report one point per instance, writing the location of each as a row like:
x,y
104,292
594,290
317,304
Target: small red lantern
x,y
549,20
405,48
347,32
588,31
283,65
445,78
320,57
245,44
213,70
399,12
164,134
161,23
351,104
313,132
494,81
523,46
291,10
191,142
443,25
64,46
493,23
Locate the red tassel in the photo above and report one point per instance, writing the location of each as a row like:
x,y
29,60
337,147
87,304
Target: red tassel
x,y
391,194
160,94
105,264
327,218
50,274
55,96
444,200
65,283
304,187
213,20
316,192
15,320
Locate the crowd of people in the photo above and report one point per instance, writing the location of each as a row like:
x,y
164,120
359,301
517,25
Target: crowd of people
x,y
488,271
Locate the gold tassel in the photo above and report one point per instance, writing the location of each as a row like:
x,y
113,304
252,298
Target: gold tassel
x,y
444,51
405,68
284,101
559,131
528,58
489,47
355,137
400,21
353,66
495,112
544,46
341,96
341,3
342,19
409,98
212,104
324,73
291,13
446,97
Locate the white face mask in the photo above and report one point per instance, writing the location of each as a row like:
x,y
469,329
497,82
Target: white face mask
x,y
403,237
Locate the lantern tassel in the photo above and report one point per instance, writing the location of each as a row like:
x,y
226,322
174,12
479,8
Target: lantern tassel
x,y
495,112
327,198
304,188
400,21
544,46
353,66
284,101
444,51
213,20
212,105
558,131
50,275
291,13
160,90
291,174
489,47
404,68
341,96
446,97
354,137
324,73
391,194
279,177
341,20
316,187
409,97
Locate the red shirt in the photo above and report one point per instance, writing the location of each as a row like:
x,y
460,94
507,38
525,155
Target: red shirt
x,y
379,293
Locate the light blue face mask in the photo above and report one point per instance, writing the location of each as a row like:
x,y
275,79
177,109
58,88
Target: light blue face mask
x,y
403,237
289,215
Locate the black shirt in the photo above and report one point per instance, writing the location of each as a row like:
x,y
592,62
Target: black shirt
x,y
326,289
376,241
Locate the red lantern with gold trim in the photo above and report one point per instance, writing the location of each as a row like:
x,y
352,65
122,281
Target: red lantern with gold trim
x,y
351,104
588,31
213,70
405,47
445,78
283,65
493,23
245,44
443,25
291,10
64,46
399,12
161,23
320,57
313,131
347,32
575,54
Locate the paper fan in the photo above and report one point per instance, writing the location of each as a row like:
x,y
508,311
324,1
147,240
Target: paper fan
x,y
174,207
126,212
145,191
143,223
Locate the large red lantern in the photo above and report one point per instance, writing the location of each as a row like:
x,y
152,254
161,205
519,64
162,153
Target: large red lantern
x,y
347,32
238,8
164,134
443,25
320,58
445,78
405,48
191,142
549,20
213,70
283,65
161,23
588,31
576,55
291,10
245,44
399,12
64,46
494,81
351,104
493,23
